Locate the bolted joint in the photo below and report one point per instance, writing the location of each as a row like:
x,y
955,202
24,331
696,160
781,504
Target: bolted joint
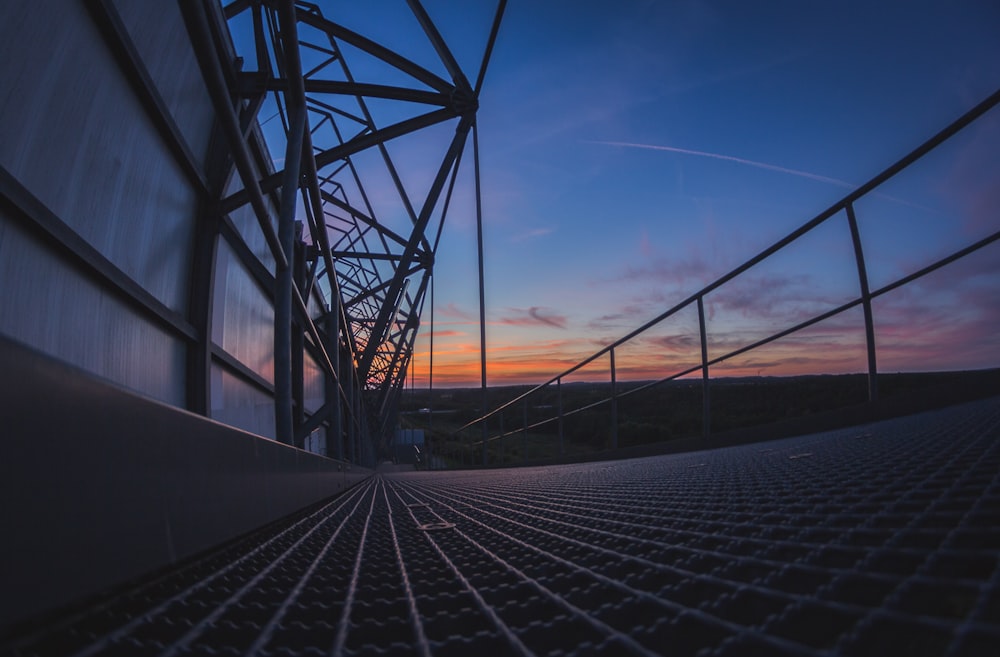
x,y
426,260
463,101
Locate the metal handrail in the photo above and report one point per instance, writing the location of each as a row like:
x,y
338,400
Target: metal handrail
x,y
846,205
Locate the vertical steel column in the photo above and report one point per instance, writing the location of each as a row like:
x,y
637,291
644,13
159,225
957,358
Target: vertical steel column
x,y
866,304
705,401
332,387
285,272
285,279
430,370
614,402
201,305
560,410
352,433
430,384
298,343
482,283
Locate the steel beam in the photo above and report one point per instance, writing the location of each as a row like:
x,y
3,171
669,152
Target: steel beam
x,y
201,39
251,85
351,147
458,142
394,59
117,38
285,274
36,216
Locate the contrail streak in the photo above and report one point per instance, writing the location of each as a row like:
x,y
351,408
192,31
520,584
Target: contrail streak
x,y
730,158
764,165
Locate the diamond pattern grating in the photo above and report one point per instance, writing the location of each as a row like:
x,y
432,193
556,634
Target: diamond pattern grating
x,y
883,539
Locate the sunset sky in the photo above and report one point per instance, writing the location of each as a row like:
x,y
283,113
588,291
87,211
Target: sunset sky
x,y
634,151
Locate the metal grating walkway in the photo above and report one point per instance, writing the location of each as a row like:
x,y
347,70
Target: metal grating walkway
x,y
870,541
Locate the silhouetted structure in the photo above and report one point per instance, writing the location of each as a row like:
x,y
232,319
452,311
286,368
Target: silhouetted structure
x,y
162,310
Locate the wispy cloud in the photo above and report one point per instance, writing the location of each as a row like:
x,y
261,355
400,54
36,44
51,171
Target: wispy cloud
x,y
732,158
689,270
533,316
532,234
451,310
448,334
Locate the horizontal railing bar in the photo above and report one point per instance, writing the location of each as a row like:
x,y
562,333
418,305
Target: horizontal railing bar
x,y
972,248
834,209
957,255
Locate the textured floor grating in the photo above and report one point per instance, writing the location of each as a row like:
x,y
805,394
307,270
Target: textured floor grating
x,y
870,541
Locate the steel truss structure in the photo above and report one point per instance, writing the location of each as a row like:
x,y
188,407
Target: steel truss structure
x,y
373,275
279,180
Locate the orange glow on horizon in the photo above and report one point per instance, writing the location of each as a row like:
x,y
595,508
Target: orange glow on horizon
x,y
837,348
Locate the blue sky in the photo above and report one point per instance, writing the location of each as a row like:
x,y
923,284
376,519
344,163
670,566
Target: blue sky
x,y
633,151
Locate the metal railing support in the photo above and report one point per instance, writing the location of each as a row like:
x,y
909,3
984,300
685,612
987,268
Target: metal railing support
x,y
560,410
501,438
864,300
614,402
706,413
866,303
524,434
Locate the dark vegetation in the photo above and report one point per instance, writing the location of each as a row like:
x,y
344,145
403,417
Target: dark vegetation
x,y
669,416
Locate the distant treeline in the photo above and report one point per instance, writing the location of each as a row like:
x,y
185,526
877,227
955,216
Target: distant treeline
x,y
672,410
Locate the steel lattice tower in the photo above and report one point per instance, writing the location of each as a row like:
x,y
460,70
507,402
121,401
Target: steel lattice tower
x,y
373,275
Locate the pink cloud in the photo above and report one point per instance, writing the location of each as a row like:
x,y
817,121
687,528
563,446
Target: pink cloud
x,y
453,311
450,333
935,329
675,343
692,269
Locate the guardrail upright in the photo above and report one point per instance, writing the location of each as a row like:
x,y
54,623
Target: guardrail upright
x,y
706,416
866,303
560,410
846,205
524,435
614,402
502,435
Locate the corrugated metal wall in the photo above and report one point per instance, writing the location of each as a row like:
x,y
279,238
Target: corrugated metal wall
x,y
77,137
114,269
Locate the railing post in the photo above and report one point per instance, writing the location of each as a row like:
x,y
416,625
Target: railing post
x,y
614,402
560,410
706,416
524,436
866,303
484,433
